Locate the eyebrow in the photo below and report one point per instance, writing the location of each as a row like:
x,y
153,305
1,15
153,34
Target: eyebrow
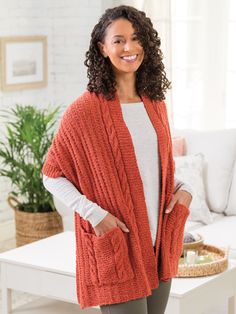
x,y
121,36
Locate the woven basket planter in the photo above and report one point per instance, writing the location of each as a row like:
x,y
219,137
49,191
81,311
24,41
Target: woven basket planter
x,y
31,227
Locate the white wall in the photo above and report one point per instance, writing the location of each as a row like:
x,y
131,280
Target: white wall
x,y
68,25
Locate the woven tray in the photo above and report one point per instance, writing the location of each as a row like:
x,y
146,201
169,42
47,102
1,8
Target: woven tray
x,y
218,264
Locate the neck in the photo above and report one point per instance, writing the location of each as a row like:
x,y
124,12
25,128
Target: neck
x,y
126,88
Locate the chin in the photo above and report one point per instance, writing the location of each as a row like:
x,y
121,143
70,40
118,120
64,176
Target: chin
x,y
130,68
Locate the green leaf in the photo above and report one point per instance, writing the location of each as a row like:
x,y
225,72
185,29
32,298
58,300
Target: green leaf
x,y
23,148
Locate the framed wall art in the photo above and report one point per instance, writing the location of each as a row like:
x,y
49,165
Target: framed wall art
x,y
23,62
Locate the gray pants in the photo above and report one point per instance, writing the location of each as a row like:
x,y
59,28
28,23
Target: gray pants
x,y
153,304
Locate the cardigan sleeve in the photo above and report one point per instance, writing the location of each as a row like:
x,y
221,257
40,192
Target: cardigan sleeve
x,y
51,167
59,158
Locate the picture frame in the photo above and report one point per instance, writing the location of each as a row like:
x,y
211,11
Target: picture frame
x,y
23,62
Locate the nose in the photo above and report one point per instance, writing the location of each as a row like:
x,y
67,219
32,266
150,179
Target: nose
x,y
127,46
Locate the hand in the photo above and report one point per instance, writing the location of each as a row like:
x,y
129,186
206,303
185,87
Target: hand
x,y
108,223
180,197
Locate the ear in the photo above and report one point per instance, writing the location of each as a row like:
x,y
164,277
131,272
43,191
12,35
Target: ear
x,y
102,49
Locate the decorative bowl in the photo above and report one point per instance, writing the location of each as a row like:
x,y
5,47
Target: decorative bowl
x,y
195,245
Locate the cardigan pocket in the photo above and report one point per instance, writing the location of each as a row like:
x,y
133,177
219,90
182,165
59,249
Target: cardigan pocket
x,y
172,241
106,258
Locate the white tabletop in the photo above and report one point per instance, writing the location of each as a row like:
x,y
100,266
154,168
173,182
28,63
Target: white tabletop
x,y
60,248
182,286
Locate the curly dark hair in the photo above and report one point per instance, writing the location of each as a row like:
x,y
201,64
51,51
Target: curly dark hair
x,y
151,79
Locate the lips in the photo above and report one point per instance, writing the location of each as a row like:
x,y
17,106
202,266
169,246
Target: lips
x,y
130,58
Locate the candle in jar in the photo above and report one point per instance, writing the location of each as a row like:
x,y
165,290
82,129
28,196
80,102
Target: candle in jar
x,y
190,258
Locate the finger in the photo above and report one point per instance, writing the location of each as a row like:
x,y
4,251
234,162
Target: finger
x,y
171,205
122,225
98,233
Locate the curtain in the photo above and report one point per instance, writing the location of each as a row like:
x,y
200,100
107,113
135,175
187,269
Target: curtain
x,y
199,65
198,42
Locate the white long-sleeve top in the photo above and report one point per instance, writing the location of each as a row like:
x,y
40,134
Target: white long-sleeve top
x,y
144,139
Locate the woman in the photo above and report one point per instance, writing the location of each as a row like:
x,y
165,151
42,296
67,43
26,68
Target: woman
x,y
111,161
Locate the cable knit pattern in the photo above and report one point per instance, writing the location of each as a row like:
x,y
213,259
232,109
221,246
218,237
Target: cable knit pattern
x,y
91,260
120,247
93,149
117,155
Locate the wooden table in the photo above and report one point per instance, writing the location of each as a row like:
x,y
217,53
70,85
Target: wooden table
x,y
47,268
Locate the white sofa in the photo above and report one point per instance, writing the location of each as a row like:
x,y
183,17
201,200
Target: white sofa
x,y
218,148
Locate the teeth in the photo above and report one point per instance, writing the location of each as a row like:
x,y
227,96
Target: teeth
x,y
130,57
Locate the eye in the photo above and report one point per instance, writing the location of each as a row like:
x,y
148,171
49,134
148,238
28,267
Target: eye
x,y
136,38
118,41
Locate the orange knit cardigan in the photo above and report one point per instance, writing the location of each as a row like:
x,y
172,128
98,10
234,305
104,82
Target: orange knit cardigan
x,y
94,150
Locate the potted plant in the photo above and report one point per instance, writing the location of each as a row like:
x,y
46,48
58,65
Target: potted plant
x,y
29,132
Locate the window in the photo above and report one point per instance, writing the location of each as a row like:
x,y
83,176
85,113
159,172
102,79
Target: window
x,y
231,68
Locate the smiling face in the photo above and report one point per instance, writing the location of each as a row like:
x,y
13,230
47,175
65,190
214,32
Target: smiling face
x,y
122,47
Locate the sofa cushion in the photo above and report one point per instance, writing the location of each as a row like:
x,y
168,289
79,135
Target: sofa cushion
x,y
189,169
193,225
219,150
220,233
231,207
178,144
